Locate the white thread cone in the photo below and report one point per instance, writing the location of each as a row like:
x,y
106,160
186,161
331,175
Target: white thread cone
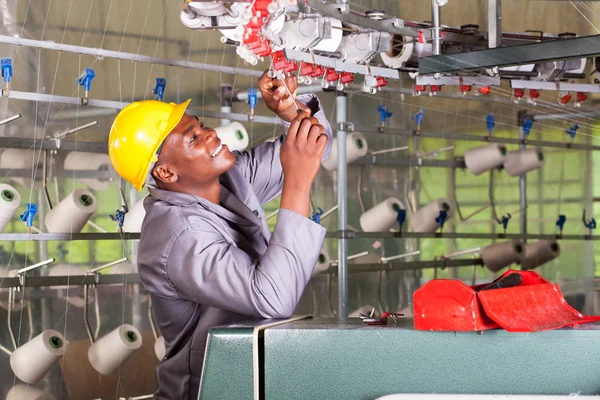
x,y
31,361
382,217
109,352
424,219
72,213
499,255
356,147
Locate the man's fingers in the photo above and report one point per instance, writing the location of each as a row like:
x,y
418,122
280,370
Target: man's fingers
x,y
315,131
321,143
295,125
304,130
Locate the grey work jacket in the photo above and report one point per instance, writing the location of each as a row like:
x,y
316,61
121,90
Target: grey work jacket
x,y
206,265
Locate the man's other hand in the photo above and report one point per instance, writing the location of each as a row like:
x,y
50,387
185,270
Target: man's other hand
x,y
277,98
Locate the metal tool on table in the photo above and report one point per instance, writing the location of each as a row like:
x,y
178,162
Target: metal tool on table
x,y
371,319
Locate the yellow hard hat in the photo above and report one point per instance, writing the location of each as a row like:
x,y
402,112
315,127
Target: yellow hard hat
x,y
136,135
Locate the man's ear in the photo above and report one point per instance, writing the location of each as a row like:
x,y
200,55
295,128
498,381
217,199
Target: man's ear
x,y
163,173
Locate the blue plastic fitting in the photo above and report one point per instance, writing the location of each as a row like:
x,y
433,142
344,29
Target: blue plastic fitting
x,y
85,79
441,219
119,216
572,131
504,221
7,70
401,218
561,222
591,224
252,98
27,216
62,252
383,113
418,116
527,124
159,89
491,123
317,216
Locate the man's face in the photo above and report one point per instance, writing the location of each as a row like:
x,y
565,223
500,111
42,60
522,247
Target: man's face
x,y
192,154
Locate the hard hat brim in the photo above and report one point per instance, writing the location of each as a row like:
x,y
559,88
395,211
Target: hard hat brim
x,y
174,118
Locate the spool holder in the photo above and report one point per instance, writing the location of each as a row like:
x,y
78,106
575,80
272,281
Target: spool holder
x,y
57,137
562,219
86,295
384,260
589,224
21,273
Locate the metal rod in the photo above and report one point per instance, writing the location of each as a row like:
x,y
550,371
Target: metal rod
x,y
96,226
434,153
550,117
72,280
5,350
329,212
475,138
11,301
523,190
452,235
119,55
374,153
274,213
243,96
435,18
76,129
352,257
400,256
34,266
342,176
461,253
45,179
110,264
494,23
117,105
86,320
409,265
10,119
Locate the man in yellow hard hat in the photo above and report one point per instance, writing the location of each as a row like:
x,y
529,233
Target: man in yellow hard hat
x,y
206,255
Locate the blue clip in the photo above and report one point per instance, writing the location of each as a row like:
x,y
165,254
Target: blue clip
x,y
3,254
418,116
591,224
159,89
572,131
252,101
489,120
85,79
527,124
119,216
62,252
317,216
401,218
7,70
383,113
561,222
27,216
441,219
504,221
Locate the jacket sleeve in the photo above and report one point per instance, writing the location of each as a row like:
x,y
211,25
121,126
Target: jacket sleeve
x,y
261,165
205,268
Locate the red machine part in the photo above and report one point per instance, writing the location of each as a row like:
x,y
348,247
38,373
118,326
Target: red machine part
x,y
346,78
518,93
581,97
279,61
465,88
420,88
533,305
331,75
435,88
306,69
484,90
317,71
381,81
290,66
534,94
565,99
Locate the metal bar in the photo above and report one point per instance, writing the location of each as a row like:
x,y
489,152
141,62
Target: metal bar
x,y
435,18
400,256
393,25
329,212
86,320
26,173
342,177
96,226
119,55
551,117
412,162
462,252
10,119
407,266
117,105
494,23
475,138
110,264
451,235
50,144
11,301
352,257
522,187
35,266
76,129
72,280
531,53
392,150
67,237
